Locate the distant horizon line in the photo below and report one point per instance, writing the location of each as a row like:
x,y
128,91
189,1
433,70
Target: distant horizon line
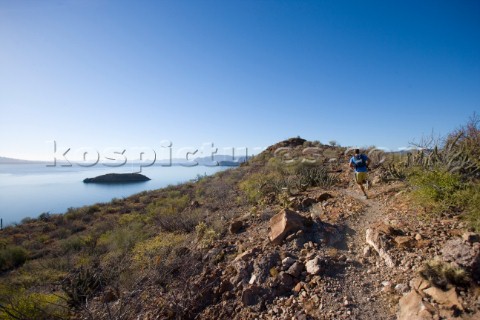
x,y
111,161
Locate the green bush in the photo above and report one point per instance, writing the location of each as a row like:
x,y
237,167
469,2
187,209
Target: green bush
x,y
440,191
82,284
278,178
313,175
467,139
19,304
469,199
205,235
170,214
122,239
72,244
151,252
12,257
436,190
259,185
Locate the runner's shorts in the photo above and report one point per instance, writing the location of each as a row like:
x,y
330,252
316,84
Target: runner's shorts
x,y
360,177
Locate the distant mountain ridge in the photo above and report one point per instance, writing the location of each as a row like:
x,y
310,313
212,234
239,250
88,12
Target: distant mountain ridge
x,y
218,160
6,160
222,160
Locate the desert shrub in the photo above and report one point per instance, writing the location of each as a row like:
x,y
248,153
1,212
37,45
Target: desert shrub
x,y
173,202
436,190
3,243
443,274
313,175
45,216
170,214
333,143
61,233
151,252
43,238
103,225
258,185
467,138
73,213
39,272
279,177
129,218
442,191
216,190
93,209
284,199
72,244
27,220
19,304
469,199
33,244
121,240
12,257
82,284
205,235
77,226
47,227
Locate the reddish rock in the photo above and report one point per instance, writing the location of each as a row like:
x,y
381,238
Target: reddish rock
x,y
282,223
411,306
298,287
385,229
247,255
419,284
447,298
423,243
404,242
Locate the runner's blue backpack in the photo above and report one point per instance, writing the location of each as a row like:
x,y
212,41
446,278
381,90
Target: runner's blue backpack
x,y
359,161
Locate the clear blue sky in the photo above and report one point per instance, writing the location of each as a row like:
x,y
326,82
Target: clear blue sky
x,y
123,74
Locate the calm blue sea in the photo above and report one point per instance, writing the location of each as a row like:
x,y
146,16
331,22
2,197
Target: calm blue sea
x,y
27,190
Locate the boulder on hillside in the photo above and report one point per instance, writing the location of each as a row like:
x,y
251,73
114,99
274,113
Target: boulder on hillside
x,y
283,223
415,305
447,299
411,306
464,255
377,240
236,226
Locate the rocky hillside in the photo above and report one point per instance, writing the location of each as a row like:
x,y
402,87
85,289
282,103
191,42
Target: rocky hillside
x,y
286,235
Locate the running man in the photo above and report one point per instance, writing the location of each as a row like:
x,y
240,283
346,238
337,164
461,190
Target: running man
x,y
359,162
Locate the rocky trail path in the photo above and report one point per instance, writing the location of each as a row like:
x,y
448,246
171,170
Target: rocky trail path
x,y
357,259
361,279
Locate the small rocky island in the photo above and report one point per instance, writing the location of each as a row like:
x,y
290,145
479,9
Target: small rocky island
x,y
117,178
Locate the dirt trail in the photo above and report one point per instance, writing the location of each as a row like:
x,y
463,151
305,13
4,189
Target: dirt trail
x,y
363,277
